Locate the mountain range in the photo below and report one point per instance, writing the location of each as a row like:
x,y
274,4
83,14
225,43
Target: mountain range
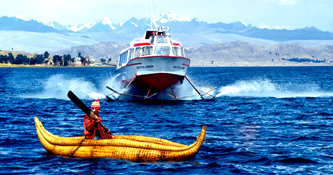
x,y
191,31
34,36
182,26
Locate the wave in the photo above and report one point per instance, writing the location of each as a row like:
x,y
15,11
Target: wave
x,y
265,88
298,160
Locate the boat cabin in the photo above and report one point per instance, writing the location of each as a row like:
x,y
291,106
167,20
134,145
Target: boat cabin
x,y
154,43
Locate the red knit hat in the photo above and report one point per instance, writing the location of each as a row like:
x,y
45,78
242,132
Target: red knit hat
x,y
95,104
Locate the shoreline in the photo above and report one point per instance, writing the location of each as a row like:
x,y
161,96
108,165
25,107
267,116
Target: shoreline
x,y
47,66
203,66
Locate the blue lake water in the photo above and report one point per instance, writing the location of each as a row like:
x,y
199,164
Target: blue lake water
x,y
276,120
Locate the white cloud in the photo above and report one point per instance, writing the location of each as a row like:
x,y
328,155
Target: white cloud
x,y
283,2
288,2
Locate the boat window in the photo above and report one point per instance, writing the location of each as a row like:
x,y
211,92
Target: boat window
x,y
162,50
126,57
123,58
149,50
184,52
162,39
176,51
137,52
131,54
119,62
152,40
143,52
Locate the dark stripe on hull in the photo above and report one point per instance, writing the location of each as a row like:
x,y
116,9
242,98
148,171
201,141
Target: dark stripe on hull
x,y
156,82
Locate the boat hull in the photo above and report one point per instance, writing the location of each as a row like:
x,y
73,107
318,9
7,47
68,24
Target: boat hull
x,y
156,82
153,74
128,147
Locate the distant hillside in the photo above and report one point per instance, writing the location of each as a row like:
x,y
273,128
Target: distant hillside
x,y
234,53
96,51
6,52
40,42
246,54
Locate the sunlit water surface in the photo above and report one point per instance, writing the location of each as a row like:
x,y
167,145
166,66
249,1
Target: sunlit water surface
x,y
262,120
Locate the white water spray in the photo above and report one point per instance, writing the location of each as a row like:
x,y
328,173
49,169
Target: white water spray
x,y
58,85
186,92
114,83
265,88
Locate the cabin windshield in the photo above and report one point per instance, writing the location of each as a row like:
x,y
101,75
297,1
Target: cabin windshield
x,y
162,50
162,39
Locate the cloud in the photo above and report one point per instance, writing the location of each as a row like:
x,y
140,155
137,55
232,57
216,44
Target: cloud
x,y
283,2
288,2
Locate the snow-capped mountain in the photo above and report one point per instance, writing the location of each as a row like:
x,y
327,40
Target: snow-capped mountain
x,y
104,25
189,31
17,24
59,27
177,24
81,27
134,25
171,16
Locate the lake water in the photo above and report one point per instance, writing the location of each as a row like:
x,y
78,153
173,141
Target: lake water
x,y
276,120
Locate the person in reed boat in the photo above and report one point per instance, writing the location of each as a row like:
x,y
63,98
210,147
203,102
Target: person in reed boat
x,y
94,127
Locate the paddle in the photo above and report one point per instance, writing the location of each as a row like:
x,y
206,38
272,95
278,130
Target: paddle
x,y
83,107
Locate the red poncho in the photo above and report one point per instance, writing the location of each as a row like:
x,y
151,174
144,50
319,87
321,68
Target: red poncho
x,y
94,128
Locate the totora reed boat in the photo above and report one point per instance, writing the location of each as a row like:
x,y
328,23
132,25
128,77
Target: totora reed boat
x,y
128,147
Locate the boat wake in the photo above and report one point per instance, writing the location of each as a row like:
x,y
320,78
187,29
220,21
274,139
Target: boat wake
x,y
115,84
265,88
58,85
187,92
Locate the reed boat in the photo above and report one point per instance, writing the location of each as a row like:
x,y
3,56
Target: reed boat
x,y
127,147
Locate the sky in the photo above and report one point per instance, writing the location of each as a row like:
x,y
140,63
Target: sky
x,y
278,14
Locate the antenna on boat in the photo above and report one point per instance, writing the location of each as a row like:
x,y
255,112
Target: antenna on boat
x,y
151,14
152,22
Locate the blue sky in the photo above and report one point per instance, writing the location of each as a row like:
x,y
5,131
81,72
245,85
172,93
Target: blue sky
x,y
289,14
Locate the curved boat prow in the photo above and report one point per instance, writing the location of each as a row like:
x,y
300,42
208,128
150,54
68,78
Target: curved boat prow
x,y
128,147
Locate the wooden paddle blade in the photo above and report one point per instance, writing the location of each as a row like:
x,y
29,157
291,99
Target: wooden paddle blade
x,y
80,104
